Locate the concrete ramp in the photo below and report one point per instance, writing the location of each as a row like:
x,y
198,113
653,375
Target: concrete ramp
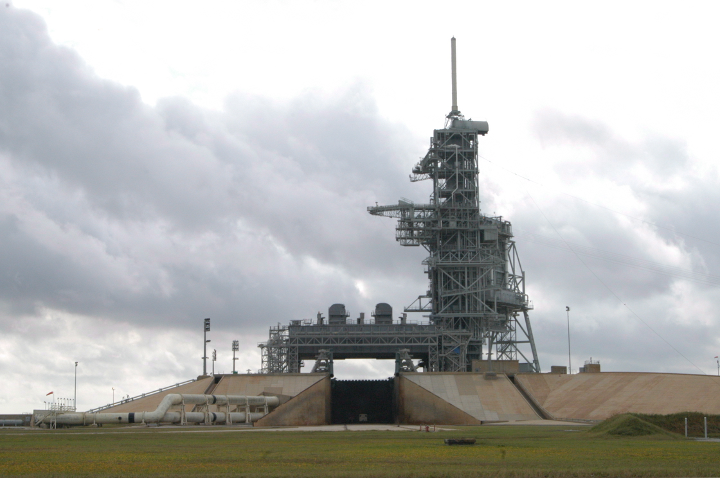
x,y
310,407
418,406
289,384
471,394
285,386
597,396
151,402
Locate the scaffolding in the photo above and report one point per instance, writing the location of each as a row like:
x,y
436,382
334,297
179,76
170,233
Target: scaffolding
x,y
274,353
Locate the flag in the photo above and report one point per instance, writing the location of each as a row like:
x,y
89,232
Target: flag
x,y
49,393
716,356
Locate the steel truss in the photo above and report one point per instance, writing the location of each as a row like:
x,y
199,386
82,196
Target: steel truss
x,y
289,345
477,285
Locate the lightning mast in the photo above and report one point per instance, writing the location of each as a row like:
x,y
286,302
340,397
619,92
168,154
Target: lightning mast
x,y
476,293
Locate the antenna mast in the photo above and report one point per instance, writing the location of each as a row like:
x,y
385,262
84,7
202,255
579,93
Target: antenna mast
x,y
455,111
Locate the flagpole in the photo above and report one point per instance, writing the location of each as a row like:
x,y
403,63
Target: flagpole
x,y
567,309
75,396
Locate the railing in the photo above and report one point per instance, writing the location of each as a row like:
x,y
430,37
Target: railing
x,y
353,322
142,395
61,405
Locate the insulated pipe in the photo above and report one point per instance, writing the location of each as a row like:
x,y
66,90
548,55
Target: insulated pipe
x,y
161,414
214,417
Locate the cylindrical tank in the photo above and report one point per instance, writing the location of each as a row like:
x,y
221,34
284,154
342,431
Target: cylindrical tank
x,y
383,314
480,127
11,423
337,314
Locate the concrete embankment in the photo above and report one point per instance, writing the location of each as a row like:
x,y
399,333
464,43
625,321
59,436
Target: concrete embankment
x,y
597,396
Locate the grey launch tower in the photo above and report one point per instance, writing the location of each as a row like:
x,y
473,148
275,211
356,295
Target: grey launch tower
x,y
476,301
477,293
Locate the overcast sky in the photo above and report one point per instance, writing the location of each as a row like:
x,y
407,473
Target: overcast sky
x,y
162,162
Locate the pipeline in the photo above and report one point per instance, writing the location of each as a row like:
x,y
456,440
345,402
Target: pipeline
x,y
10,422
163,415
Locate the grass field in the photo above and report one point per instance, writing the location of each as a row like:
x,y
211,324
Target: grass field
x,y
499,451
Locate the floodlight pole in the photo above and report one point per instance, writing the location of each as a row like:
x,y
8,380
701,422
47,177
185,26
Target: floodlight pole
x,y
206,329
235,348
75,396
567,309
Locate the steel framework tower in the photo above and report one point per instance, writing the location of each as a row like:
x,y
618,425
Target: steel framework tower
x,y
477,286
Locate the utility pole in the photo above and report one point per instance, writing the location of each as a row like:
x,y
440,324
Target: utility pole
x,y
567,309
205,342
235,348
75,396
113,394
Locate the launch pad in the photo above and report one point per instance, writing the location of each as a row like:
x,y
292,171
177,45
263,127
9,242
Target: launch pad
x,y
475,346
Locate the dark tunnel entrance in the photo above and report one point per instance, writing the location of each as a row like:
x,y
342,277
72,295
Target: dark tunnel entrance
x,y
362,401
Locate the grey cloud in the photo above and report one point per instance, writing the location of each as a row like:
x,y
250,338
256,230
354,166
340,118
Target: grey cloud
x,y
680,210
186,212
551,127
600,152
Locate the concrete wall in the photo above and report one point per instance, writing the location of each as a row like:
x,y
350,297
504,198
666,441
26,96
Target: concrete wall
x,y
498,366
309,407
597,396
459,399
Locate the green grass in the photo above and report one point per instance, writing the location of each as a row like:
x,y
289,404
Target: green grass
x,y
676,423
630,425
500,451
639,424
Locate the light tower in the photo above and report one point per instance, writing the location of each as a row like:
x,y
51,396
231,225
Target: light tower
x,y
206,329
477,287
235,348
